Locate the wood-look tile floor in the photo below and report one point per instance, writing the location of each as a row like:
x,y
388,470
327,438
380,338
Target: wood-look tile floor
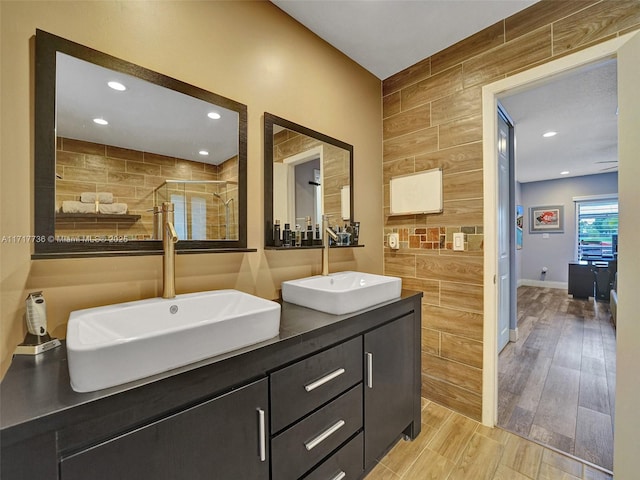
x,y
454,447
557,382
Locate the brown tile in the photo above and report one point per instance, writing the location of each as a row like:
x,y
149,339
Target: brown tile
x,y
98,161
457,212
459,399
406,122
494,433
430,342
496,63
404,453
462,296
380,472
396,168
124,153
462,186
415,143
598,21
461,349
70,159
456,322
460,131
461,104
523,456
80,146
450,268
64,187
432,88
142,168
85,174
479,460
157,159
175,173
475,243
406,77
548,472
505,473
391,104
430,288
482,41
435,415
453,437
429,466
399,265
540,14
463,376
414,241
452,160
132,179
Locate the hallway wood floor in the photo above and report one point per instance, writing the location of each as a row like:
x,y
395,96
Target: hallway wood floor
x,y
557,382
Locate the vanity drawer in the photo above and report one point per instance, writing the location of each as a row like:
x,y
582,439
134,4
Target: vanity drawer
x,y
346,464
300,388
299,448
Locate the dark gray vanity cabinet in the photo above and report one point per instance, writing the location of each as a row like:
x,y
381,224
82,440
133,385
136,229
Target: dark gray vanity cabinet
x,y
222,438
389,393
322,401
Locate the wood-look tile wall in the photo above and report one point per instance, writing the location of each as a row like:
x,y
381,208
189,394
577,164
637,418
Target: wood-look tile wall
x,y
432,117
335,166
132,176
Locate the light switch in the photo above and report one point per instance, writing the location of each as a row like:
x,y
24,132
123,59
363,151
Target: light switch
x,y
458,241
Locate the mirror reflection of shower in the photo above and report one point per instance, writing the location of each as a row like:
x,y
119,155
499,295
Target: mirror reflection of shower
x,y
227,214
202,208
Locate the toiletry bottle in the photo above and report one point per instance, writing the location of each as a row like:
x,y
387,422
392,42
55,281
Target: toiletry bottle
x,y
355,235
277,241
317,240
309,234
298,237
286,235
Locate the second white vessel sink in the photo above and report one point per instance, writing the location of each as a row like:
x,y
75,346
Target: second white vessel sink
x,y
115,344
342,292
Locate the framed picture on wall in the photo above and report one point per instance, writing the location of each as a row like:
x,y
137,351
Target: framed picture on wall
x,y
549,219
519,226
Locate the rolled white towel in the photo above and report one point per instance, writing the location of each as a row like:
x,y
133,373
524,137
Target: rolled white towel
x,y
113,208
73,206
101,197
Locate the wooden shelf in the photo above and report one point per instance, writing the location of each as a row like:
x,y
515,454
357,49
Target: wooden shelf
x,y
82,217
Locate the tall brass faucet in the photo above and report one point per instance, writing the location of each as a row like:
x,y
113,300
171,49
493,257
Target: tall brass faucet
x,y
169,239
325,248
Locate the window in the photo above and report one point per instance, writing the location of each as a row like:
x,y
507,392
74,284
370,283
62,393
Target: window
x,y
597,228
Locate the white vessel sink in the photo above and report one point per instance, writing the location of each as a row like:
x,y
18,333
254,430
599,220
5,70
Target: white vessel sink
x,y
115,344
343,292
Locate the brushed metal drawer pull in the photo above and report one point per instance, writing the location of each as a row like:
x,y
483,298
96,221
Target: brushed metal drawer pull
x,y
324,435
339,476
369,369
323,380
262,433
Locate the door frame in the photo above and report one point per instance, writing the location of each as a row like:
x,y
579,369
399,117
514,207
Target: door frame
x,y
490,95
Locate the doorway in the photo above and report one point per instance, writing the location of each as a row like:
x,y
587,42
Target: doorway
x,y
490,95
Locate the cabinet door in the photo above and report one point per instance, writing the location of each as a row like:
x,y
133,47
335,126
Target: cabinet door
x,y
224,438
389,384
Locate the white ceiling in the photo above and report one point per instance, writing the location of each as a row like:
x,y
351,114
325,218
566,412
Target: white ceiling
x,y
145,117
582,107
387,36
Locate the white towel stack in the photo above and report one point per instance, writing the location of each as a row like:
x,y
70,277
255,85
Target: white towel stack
x,y
92,202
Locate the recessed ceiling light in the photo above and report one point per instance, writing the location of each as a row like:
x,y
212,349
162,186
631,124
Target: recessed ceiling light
x,y
117,86
203,152
565,172
100,121
549,134
213,115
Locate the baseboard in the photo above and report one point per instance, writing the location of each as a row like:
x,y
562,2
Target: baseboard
x,y
543,283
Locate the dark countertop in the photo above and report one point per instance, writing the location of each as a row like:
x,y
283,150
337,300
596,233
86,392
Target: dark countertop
x,y
36,395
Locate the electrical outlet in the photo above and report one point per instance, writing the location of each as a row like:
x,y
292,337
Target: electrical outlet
x,y
394,241
458,241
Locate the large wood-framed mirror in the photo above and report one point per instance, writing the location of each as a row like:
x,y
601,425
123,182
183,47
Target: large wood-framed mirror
x,y
107,153
306,174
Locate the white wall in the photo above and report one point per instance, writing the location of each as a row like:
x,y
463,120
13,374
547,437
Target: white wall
x,y
556,251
